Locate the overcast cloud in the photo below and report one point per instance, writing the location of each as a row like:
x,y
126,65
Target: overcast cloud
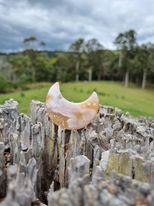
x,y
60,22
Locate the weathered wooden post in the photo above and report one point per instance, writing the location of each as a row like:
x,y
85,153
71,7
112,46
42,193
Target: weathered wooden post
x,y
108,163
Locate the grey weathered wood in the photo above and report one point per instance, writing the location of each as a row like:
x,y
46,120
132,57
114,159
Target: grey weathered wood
x,y
79,164
79,167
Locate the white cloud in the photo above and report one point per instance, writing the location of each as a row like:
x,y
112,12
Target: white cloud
x,y
59,23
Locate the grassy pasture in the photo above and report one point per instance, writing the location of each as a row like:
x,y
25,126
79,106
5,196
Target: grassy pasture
x,y
136,101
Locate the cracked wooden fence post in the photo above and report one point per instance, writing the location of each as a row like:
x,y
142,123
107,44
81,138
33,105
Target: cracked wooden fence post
x,y
63,144
83,160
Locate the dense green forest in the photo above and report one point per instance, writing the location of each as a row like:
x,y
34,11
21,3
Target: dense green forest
x,y
84,60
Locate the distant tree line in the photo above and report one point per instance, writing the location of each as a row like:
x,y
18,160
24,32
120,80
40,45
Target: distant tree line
x,y
84,60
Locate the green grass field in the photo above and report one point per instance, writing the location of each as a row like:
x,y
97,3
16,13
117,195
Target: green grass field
x,y
136,101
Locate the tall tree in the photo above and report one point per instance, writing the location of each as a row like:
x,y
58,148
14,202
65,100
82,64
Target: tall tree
x,y
92,49
77,49
32,42
126,42
145,61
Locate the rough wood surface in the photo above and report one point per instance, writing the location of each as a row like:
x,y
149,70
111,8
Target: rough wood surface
x,y
111,162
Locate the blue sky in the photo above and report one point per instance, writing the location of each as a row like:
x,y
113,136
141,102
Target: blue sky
x,y
60,22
